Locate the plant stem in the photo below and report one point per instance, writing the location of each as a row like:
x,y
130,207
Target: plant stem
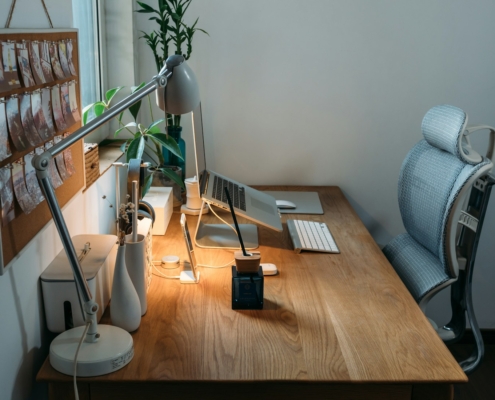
x,y
150,155
159,154
151,109
121,123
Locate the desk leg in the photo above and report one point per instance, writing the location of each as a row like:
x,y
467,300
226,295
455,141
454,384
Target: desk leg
x,y
433,392
65,391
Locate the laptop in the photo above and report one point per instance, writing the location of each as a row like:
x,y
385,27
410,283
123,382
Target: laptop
x,y
248,202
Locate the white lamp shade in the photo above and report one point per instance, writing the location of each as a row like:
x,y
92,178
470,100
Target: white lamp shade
x,y
181,95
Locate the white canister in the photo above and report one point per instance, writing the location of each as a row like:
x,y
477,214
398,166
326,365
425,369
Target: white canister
x,y
194,201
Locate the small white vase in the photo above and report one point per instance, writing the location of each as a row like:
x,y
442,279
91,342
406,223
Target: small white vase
x,y
125,307
135,260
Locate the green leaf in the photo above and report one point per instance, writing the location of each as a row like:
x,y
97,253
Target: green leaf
x,y
147,185
162,5
145,8
168,142
117,132
188,3
123,147
172,175
135,88
99,108
86,113
154,128
134,109
131,125
112,92
135,149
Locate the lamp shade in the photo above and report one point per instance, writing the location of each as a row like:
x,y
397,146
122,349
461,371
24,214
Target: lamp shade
x,y
181,95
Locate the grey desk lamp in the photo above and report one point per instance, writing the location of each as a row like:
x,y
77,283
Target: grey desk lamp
x,y
106,348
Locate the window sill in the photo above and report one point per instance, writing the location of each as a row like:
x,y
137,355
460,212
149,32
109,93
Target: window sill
x,y
108,154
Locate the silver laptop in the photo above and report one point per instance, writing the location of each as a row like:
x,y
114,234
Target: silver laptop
x,y
248,202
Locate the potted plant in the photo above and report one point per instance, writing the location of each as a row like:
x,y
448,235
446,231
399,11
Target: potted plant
x,y
172,36
144,140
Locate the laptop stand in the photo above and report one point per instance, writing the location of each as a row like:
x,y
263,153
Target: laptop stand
x,y
222,236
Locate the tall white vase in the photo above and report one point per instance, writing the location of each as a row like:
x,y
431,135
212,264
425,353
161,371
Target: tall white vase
x,y
135,260
125,307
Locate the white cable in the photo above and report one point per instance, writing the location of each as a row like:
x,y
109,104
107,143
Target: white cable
x,y
232,262
163,275
76,393
225,222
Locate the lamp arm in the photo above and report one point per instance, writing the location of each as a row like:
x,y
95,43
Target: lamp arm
x,y
42,165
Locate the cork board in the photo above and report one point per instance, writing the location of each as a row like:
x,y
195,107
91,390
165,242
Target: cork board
x,y
19,232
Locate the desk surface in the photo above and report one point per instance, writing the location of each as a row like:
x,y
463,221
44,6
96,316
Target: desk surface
x,y
328,319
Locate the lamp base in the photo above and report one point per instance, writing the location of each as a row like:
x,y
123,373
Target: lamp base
x,y
184,209
113,350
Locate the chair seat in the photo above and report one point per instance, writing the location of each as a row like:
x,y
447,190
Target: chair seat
x,y
420,270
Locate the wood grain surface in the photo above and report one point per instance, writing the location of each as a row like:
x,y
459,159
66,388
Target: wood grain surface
x,y
328,318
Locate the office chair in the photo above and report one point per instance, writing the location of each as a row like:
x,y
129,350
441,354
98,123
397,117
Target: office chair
x,y
444,188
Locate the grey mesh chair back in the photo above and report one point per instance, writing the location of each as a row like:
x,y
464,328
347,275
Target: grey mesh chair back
x,y
435,182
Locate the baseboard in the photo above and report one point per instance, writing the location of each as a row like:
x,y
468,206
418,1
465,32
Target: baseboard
x,y
487,334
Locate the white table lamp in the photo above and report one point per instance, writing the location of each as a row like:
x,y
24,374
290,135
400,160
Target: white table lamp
x,y
106,348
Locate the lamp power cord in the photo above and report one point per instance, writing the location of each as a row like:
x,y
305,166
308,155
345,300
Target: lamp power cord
x,y
76,393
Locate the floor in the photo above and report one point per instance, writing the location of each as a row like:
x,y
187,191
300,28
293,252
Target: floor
x,y
481,385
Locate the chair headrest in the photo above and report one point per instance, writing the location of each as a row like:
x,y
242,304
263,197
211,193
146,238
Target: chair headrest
x,y
443,127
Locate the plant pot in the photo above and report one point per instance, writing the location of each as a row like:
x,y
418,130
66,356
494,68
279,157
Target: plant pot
x,y
162,180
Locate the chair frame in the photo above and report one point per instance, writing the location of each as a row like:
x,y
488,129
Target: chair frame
x,y
462,244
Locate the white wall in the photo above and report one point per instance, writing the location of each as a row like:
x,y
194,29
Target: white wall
x,y
30,14
326,92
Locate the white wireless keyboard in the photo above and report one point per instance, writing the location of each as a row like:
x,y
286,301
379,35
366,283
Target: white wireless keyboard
x,y
312,236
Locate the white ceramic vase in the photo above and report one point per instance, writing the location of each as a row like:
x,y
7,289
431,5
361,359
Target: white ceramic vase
x,y
135,260
125,307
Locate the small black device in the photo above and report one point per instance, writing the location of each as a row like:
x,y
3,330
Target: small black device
x,y
247,288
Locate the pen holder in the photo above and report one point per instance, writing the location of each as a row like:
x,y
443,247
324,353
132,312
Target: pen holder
x,y
247,264
247,290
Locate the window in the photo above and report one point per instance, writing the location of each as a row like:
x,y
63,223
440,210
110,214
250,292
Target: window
x,y
87,19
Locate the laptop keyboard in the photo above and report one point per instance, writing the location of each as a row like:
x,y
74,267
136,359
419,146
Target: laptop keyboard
x,y
237,192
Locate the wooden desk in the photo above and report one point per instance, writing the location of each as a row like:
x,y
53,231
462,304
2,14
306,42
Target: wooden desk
x,y
337,326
